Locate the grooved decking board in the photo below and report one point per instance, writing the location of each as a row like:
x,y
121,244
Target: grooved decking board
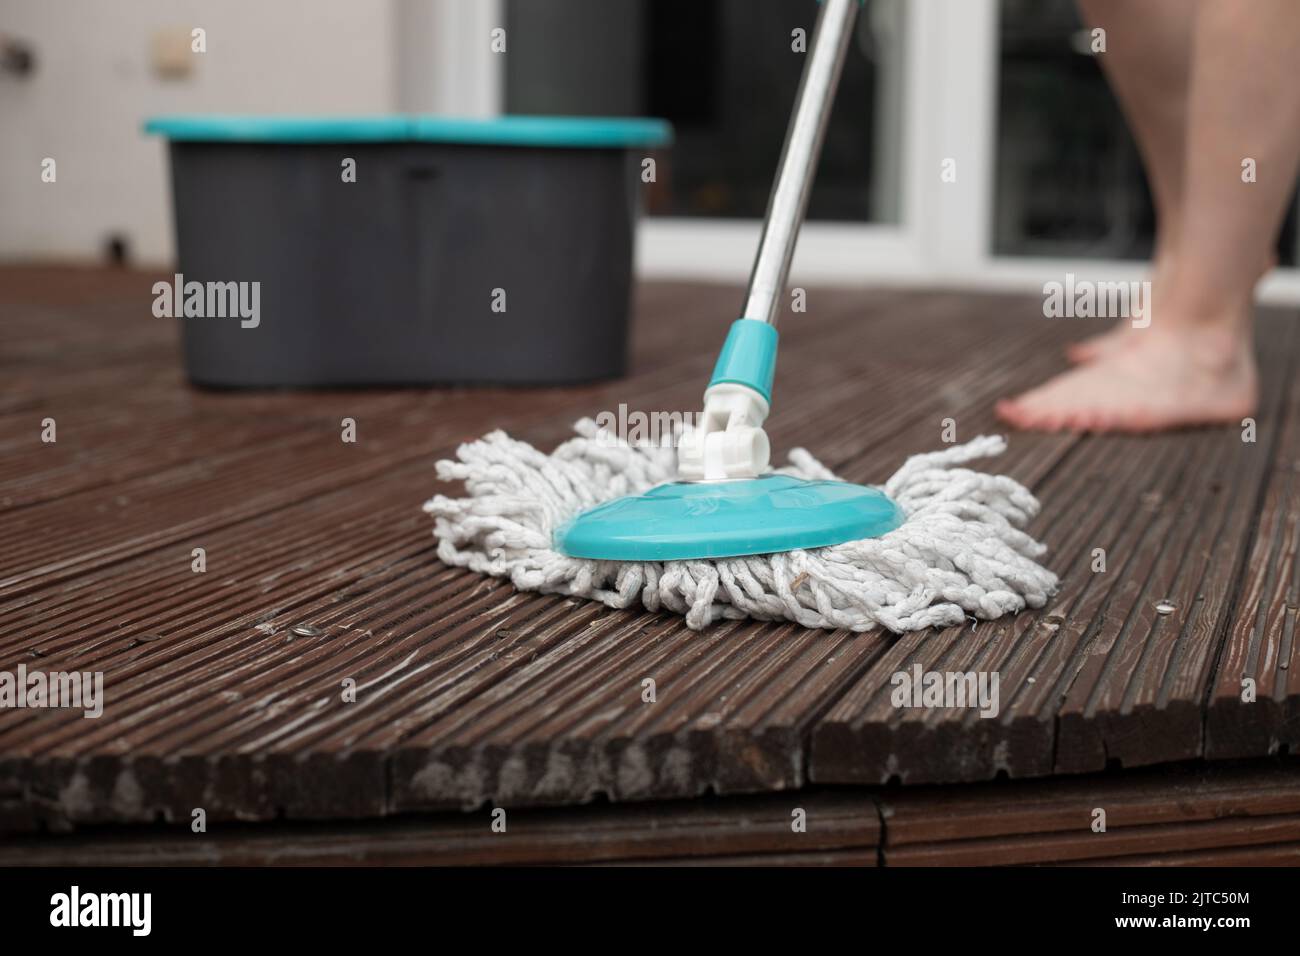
x,y
838,828
1277,854
1249,808
469,693
1098,678
1255,700
1235,813
1267,833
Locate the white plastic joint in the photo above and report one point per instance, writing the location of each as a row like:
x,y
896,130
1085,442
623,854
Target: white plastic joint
x,y
729,441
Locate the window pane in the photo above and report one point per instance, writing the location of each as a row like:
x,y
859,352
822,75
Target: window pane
x,y
724,72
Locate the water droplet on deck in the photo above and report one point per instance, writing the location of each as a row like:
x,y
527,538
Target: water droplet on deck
x,y
306,630
1166,607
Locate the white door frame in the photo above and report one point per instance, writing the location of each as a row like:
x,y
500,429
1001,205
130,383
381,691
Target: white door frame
x,y
948,113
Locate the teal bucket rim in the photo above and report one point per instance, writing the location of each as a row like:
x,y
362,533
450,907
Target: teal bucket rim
x,y
580,132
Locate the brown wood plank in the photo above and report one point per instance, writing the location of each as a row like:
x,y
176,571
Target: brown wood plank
x,y
1099,678
1146,703
1278,854
1175,794
1254,703
840,829
1233,813
1152,812
1114,845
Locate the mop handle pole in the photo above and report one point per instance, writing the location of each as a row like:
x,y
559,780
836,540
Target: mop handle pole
x,y
803,143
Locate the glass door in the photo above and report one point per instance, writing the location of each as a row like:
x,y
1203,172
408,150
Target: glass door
x,y
725,73
973,142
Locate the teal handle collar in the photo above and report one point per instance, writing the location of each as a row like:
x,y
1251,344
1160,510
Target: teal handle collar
x,y
748,357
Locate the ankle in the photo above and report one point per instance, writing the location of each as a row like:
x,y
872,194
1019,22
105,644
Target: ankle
x,y
1189,304
1191,293
1217,348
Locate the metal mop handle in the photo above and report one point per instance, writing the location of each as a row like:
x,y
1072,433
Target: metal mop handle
x,y
803,144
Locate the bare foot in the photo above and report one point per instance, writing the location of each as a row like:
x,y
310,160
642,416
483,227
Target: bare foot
x,y
1161,380
1097,346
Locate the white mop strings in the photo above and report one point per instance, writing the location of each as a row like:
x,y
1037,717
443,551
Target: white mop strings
x,y
960,552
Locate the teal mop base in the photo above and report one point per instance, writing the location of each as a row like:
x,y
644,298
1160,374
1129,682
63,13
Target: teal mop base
x,y
726,519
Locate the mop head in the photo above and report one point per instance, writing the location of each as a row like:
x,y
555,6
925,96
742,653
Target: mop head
x,y
961,551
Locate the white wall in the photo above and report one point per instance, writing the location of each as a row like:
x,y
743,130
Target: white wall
x,y
94,84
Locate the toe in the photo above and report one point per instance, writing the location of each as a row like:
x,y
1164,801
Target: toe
x,y
1009,411
1075,420
1051,421
1040,419
1080,352
1102,421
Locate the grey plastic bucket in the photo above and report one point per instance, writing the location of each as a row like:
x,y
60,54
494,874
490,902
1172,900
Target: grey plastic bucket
x,y
465,251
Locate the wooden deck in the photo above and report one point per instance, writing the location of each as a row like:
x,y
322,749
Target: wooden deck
x,y
1234,815
471,695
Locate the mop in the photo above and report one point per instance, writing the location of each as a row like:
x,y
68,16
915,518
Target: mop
x,y
709,530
